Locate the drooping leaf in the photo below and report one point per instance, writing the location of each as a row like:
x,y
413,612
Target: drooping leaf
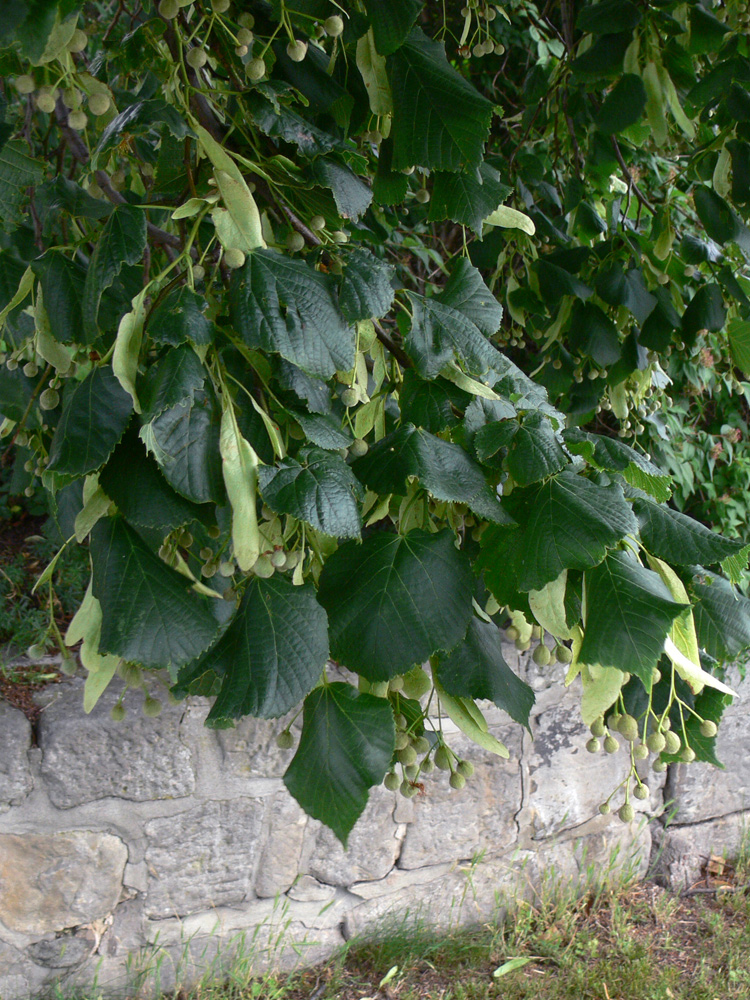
x,y
722,617
184,440
149,613
455,324
477,669
94,417
392,21
281,305
467,197
272,653
122,241
721,223
324,430
593,333
534,452
366,289
616,456
629,614
443,468
140,118
175,377
62,282
705,311
623,105
440,121
608,16
351,194
427,404
345,748
680,539
323,492
567,523
132,479
179,317
626,288
394,600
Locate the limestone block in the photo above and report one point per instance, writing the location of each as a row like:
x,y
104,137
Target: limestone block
x,y
14,987
279,859
450,825
685,850
63,951
203,857
51,882
307,889
89,757
15,774
566,783
702,791
373,847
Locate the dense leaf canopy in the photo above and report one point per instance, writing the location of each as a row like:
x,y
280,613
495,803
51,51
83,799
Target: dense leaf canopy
x,y
348,330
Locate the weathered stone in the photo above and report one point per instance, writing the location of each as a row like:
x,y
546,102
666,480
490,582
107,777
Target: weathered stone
x,y
307,889
203,857
279,859
454,825
50,882
702,791
89,757
15,774
685,850
372,850
14,987
64,951
566,783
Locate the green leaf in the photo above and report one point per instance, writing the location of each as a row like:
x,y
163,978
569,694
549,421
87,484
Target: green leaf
x,y
443,468
279,304
323,492
608,17
554,282
623,105
593,334
738,332
366,289
706,31
477,669
616,456
121,241
393,600
345,748
722,617
455,325
468,197
392,21
94,417
629,612
626,288
567,523
281,122
511,218
62,194
720,222
150,615
132,479
680,539
62,282
534,451
184,440
705,311
180,317
323,430
17,172
428,404
272,653
440,121
604,58
140,119
175,377
351,194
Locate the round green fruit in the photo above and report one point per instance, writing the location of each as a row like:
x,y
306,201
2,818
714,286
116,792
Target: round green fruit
x,y
708,728
99,104
234,258
640,751
611,745
169,9
197,58
151,707
628,728
317,223
416,683
641,792
443,759
597,727
407,756
563,654
421,744
672,743
350,397
466,768
334,25
25,84
255,70
656,742
392,781
593,745
541,655
358,448
295,242
457,780
117,712
285,740
626,813
297,50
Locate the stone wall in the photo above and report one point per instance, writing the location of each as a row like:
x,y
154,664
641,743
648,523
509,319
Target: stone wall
x,y
143,852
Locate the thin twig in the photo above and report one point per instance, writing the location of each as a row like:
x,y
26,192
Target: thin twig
x,y
403,359
642,199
